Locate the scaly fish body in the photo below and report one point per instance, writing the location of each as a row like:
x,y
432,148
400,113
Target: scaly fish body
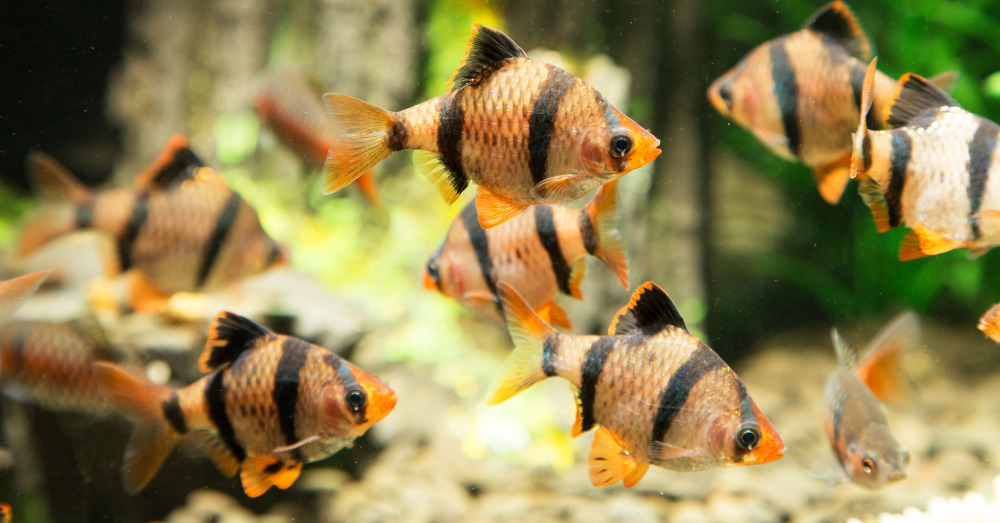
x,y
933,171
525,131
539,253
659,395
182,228
269,404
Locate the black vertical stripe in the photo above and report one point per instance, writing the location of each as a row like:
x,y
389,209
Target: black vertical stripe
x,y
597,355
131,230
786,93
215,398
588,233
543,120
980,160
286,385
549,354
451,118
899,161
866,152
480,246
175,416
545,227
85,215
222,225
702,361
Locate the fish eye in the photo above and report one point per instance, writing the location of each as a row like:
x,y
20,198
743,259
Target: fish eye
x,y
868,465
621,144
748,437
725,93
355,399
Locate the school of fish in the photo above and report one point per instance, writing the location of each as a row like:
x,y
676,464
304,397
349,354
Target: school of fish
x,y
533,137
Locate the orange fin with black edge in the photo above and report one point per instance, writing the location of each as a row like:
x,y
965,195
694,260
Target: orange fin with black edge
x,y
832,178
366,135
448,183
175,164
486,51
523,367
600,231
229,336
610,462
259,473
914,96
881,366
494,209
649,311
838,22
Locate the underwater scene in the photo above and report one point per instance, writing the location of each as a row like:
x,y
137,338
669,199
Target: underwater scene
x,y
500,261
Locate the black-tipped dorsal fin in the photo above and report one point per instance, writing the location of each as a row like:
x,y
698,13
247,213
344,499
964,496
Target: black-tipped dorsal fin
x,y
847,355
229,335
914,96
650,311
838,22
488,48
176,163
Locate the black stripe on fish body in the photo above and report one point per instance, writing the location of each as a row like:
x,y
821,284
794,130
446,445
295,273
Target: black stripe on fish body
x,y
222,226
866,152
481,246
543,120
593,364
549,355
396,138
858,71
899,161
140,210
786,93
85,215
451,120
588,232
173,413
285,393
699,363
545,227
215,399
984,141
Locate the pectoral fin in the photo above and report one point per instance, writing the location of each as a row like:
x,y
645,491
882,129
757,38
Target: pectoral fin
x,y
920,242
494,208
661,451
260,473
563,188
611,462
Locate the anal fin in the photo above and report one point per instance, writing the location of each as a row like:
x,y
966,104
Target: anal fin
x,y
448,183
260,473
217,451
831,179
920,242
610,462
494,209
872,195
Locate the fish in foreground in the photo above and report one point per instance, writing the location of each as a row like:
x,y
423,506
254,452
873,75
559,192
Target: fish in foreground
x,y
525,131
268,404
15,291
181,228
290,104
658,394
855,424
49,364
990,323
800,93
538,253
931,170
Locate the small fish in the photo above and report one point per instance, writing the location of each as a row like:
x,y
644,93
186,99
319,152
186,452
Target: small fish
x,y
6,513
269,404
799,94
15,291
48,363
525,131
181,227
931,170
540,254
659,395
290,104
990,323
855,424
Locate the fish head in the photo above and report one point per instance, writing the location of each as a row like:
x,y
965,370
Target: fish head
x,y
610,151
432,272
876,458
351,406
746,437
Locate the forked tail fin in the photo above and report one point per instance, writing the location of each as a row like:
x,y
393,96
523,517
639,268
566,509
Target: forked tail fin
x,y
366,135
524,367
599,229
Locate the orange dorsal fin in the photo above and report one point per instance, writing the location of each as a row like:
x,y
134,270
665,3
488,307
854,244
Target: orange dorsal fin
x,y
600,230
448,183
176,163
831,179
259,473
881,366
15,291
487,50
610,462
228,337
494,209
523,367
649,311
838,22
914,95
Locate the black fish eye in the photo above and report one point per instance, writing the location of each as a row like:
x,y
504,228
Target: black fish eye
x,y
748,438
726,95
355,399
621,144
868,465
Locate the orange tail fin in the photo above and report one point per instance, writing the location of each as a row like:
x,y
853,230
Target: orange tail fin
x,y
880,368
142,402
524,366
604,239
364,134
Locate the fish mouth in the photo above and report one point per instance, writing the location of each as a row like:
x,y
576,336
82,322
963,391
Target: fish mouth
x,y
429,282
382,406
896,475
653,152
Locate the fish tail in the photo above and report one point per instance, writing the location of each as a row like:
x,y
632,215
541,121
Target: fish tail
x,y
881,366
605,241
144,404
366,136
860,137
55,184
525,366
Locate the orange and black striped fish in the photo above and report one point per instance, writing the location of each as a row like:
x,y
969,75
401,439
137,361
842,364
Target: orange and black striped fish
x,y
989,323
290,104
659,395
525,131
15,291
48,363
269,404
538,253
181,228
855,424
931,170
799,94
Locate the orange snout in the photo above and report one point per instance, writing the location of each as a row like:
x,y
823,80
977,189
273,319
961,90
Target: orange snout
x,y
382,401
721,96
770,448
